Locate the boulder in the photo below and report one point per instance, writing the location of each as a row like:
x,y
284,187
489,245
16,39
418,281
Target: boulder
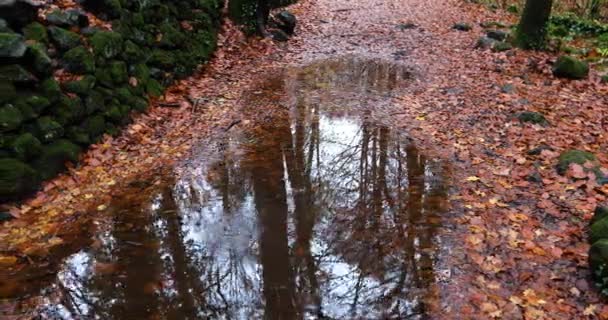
x,y
54,156
573,156
599,214
12,45
95,126
78,60
598,254
68,18
26,146
16,74
10,118
78,135
571,68
7,91
462,27
39,60
107,44
114,74
37,32
154,88
82,86
485,43
502,46
497,35
94,101
64,39
18,13
16,178
47,130
68,110
532,117
279,35
106,9
286,21
50,89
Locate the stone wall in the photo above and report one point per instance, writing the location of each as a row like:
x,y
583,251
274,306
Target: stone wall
x,y
65,81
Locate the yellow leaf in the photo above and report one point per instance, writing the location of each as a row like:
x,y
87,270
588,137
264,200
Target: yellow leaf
x,y
420,118
102,207
590,310
473,179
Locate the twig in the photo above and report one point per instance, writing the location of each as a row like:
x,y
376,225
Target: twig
x,y
232,124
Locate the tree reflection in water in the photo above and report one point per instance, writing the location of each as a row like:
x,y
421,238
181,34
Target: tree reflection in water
x,y
312,213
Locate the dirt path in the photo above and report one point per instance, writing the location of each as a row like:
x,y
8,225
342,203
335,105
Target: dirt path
x,y
514,249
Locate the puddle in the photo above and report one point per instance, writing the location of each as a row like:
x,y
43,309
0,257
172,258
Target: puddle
x,y
315,211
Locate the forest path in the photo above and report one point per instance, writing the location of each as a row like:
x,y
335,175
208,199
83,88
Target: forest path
x,y
515,249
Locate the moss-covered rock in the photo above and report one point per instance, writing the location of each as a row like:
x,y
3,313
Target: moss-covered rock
x,y
532,117
26,146
79,60
571,68
133,53
16,178
162,58
38,103
170,36
140,104
37,32
153,88
95,126
461,26
64,39
54,156
47,130
10,118
50,89
114,74
40,61
573,156
502,46
599,214
7,91
68,110
94,101
82,86
16,73
11,45
68,18
107,44
598,230
78,135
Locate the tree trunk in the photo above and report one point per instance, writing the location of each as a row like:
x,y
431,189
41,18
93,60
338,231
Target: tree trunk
x,y
532,27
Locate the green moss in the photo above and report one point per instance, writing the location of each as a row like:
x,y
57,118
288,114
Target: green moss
x,y
79,60
47,130
38,103
10,118
41,62
78,135
16,73
573,156
599,214
94,101
605,78
162,59
16,178
133,53
81,87
94,126
569,67
502,46
7,91
54,156
170,37
140,104
153,88
107,44
26,146
37,32
50,89
114,74
11,45
532,117
68,110
64,39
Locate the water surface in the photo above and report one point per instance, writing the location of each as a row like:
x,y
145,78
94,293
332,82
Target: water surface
x,y
313,208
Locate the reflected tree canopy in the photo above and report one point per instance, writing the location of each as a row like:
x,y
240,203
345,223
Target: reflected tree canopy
x,y
316,212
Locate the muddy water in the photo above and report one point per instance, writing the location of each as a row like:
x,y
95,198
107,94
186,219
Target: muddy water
x,y
311,208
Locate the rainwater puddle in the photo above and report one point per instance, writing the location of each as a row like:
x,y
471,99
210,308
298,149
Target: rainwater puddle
x,y
317,210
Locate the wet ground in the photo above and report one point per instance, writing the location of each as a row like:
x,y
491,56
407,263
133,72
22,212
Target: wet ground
x,y
310,208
